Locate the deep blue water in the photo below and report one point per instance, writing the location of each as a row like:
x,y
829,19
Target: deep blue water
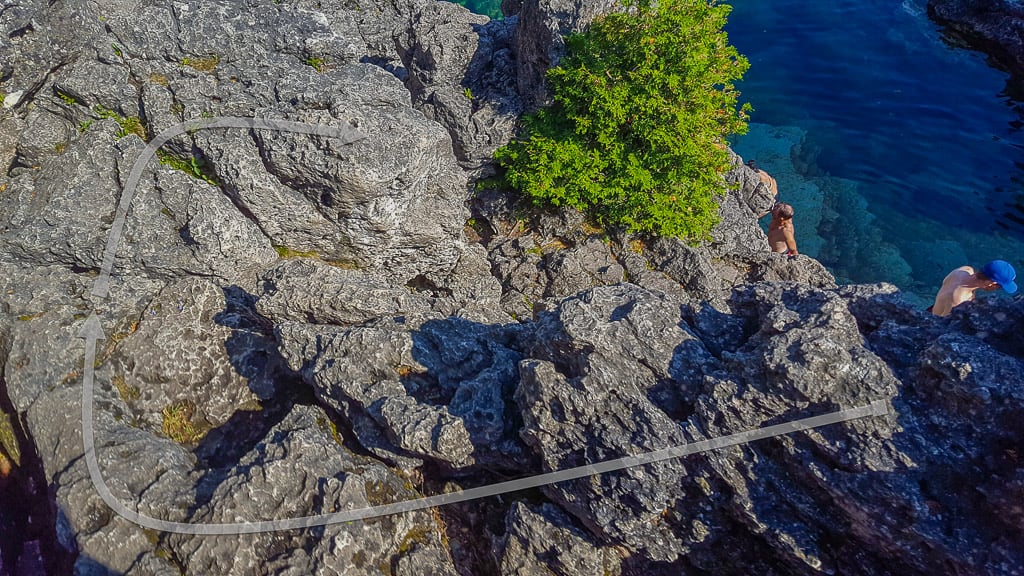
x,y
902,154
908,147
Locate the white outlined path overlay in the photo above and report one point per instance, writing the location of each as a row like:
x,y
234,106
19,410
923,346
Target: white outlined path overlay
x,y
92,332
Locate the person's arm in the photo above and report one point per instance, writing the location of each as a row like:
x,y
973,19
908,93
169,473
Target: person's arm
x,y
943,305
787,232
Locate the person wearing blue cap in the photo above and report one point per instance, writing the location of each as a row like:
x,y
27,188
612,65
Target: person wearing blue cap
x,y
959,285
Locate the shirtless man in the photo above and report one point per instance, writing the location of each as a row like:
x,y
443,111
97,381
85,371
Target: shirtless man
x,y
780,230
959,285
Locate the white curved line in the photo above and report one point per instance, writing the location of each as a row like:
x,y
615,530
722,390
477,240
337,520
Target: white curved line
x,y
876,408
92,332
102,285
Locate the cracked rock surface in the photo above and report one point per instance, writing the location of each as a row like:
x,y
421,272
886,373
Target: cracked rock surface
x,y
297,326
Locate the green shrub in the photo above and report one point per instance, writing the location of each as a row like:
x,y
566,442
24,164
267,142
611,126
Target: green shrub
x,y
177,422
642,105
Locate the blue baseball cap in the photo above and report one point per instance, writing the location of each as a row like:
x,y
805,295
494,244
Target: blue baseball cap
x,y
1002,273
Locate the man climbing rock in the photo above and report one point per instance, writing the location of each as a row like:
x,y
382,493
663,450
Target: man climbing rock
x,y
959,285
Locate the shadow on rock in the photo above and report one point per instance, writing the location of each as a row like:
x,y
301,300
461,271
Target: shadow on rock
x,y
472,369
252,352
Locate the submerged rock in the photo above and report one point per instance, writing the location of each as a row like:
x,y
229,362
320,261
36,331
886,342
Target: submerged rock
x,y
994,27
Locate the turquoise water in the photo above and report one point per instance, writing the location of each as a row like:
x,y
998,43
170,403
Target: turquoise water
x,y
902,154
490,8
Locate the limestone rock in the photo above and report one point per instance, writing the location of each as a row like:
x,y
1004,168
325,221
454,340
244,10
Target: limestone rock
x,y
544,539
346,287
540,43
298,470
993,27
461,74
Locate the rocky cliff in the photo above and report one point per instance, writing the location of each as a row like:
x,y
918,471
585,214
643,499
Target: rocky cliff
x,y
995,27
298,325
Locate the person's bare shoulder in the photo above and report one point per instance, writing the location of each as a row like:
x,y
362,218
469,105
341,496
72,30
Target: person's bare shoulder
x,y
958,275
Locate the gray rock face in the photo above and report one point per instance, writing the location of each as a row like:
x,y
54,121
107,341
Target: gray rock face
x,y
540,43
996,28
461,74
432,389
599,390
176,356
299,470
544,540
795,349
297,326
399,212
373,384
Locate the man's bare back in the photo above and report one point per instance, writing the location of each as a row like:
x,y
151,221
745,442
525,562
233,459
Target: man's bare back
x,y
957,288
959,285
780,230
781,239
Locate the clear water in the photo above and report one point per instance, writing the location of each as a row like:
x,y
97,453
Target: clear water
x,y
491,8
902,155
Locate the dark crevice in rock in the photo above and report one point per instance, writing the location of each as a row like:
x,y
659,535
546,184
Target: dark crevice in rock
x,y
232,194
22,31
30,94
220,449
421,283
79,269
387,65
28,511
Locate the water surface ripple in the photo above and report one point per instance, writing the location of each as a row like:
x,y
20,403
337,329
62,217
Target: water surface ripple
x,y
903,153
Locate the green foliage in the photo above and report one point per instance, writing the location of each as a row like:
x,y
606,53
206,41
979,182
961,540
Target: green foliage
x,y
643,104
129,125
117,51
67,98
286,252
9,447
177,422
128,392
84,125
206,64
319,64
195,167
